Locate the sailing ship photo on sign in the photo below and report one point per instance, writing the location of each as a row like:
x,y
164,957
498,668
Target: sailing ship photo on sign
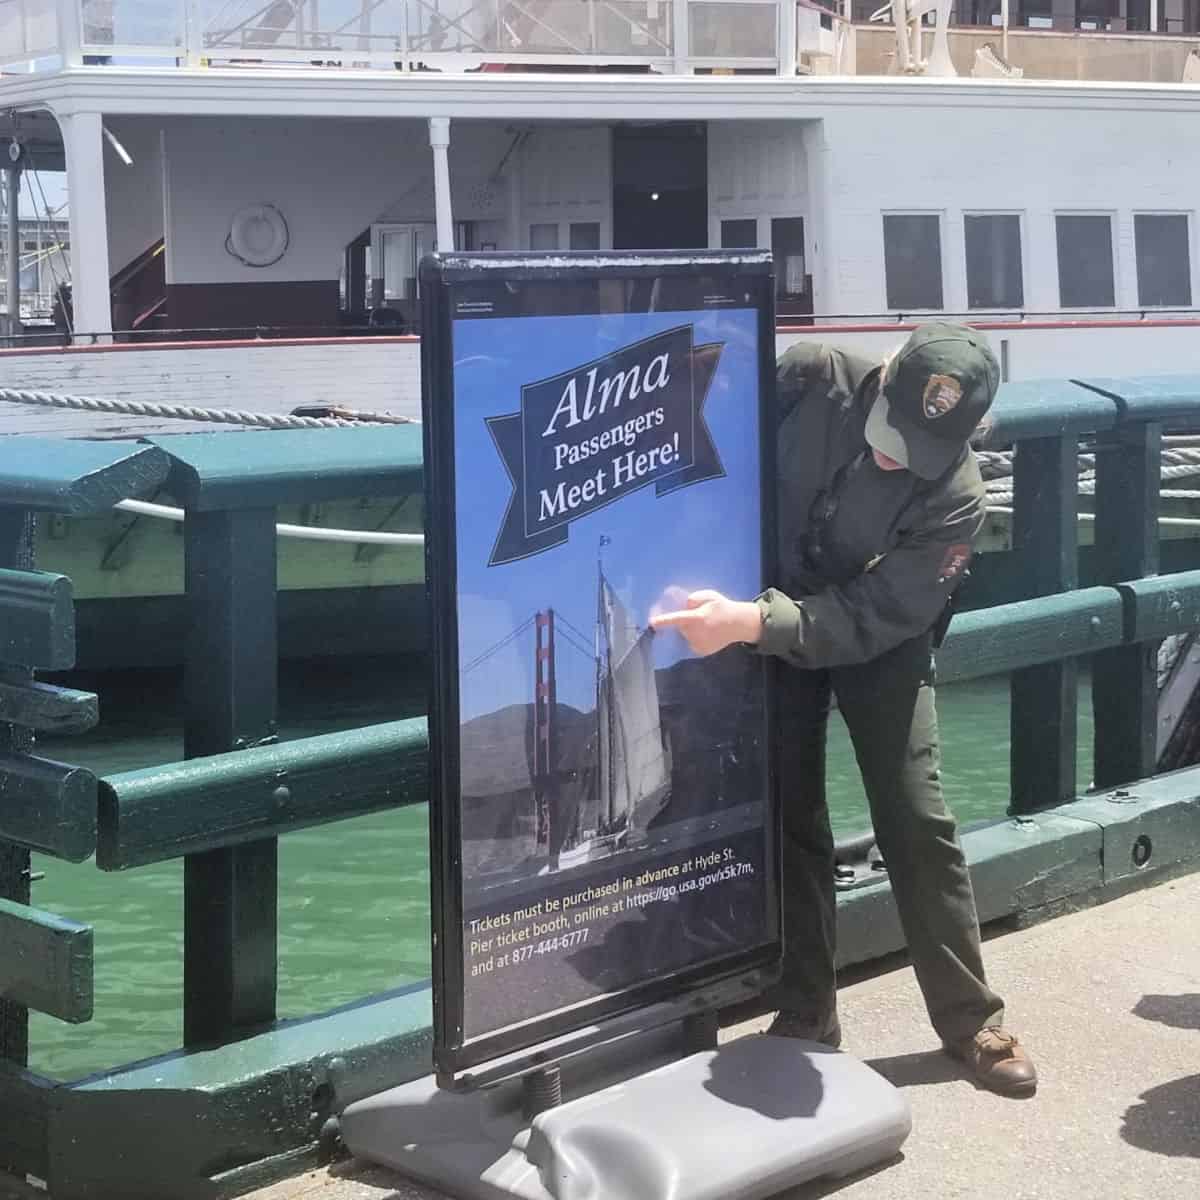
x,y
596,432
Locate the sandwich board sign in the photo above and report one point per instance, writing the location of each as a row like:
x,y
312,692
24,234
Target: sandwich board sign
x,y
603,814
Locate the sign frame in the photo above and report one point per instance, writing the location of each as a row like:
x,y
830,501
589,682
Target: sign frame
x,y
469,1062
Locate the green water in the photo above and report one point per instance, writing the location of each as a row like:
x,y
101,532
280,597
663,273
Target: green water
x,y
353,897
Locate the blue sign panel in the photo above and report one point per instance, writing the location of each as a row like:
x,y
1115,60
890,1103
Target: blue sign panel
x,y
603,820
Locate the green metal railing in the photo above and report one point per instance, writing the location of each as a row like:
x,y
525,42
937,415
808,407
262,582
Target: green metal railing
x,y
247,1090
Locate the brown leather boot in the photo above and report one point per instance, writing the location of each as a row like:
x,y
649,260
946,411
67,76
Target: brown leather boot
x,y
794,1025
997,1061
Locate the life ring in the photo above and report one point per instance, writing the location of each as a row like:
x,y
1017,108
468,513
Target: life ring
x,y
258,235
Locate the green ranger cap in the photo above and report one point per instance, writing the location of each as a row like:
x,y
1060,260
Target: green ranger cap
x,y
935,391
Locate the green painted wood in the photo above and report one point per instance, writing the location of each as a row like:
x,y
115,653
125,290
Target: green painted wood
x,y
212,803
1043,712
75,476
25,1102
180,1126
1161,606
48,806
37,620
230,921
48,709
1152,397
211,471
1013,637
46,964
16,552
1125,680
1047,408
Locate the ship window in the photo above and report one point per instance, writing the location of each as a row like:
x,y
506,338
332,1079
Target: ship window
x,y
967,12
739,235
1085,261
1163,260
1137,15
731,29
585,235
787,248
912,260
994,278
543,236
1096,14
1036,14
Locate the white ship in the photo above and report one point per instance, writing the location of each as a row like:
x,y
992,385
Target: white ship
x,y
251,183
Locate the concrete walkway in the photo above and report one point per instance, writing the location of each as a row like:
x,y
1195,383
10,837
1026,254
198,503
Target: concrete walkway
x,y
1108,1002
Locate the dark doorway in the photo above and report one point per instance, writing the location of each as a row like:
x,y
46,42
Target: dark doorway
x,y
660,187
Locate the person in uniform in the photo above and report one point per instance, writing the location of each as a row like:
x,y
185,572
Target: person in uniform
x,y
880,500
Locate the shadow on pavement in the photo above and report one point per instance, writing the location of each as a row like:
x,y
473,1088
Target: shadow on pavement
x,y
916,1070
1167,1121
830,1187
1180,1012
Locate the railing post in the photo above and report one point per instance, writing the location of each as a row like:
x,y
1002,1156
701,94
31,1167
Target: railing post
x,y
16,551
230,896
1124,680
1044,704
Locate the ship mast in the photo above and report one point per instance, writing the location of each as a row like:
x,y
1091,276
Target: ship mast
x,y
545,699
604,711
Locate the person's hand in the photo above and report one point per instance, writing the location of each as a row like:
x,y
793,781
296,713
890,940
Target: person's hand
x,y
712,621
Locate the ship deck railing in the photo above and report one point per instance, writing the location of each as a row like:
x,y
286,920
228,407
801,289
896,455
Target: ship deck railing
x,y
671,35
776,37
249,1096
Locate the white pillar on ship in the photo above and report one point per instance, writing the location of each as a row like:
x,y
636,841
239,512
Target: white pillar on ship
x,y
787,38
439,139
12,256
70,30
84,145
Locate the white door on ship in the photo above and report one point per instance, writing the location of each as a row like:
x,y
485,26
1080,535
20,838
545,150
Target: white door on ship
x,y
396,251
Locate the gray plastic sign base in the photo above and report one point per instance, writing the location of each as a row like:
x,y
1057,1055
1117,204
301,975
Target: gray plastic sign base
x,y
744,1122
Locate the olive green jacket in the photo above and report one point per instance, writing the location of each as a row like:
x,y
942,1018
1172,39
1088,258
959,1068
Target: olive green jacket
x,y
868,558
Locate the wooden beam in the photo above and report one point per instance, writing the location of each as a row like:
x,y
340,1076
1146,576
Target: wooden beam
x,y
229,799
1044,719
1125,680
16,553
212,471
1161,606
47,709
25,1129
1029,633
37,620
47,806
75,476
47,962
230,896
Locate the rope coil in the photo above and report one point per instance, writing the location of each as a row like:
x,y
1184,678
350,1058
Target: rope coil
x,y
187,412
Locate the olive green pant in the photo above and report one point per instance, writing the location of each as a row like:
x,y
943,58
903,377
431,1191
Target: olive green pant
x,y
888,707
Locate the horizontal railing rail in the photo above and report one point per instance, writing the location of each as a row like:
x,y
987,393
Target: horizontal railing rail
x,y
238,790
225,800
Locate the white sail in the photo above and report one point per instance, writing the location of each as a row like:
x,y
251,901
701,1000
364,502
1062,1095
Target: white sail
x,y
635,766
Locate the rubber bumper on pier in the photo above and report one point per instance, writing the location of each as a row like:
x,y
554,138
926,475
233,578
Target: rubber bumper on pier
x,y
742,1122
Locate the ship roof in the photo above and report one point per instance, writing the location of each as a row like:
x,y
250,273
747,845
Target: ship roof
x,y
297,91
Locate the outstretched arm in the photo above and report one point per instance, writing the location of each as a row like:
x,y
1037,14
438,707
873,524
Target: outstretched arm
x,y
712,621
